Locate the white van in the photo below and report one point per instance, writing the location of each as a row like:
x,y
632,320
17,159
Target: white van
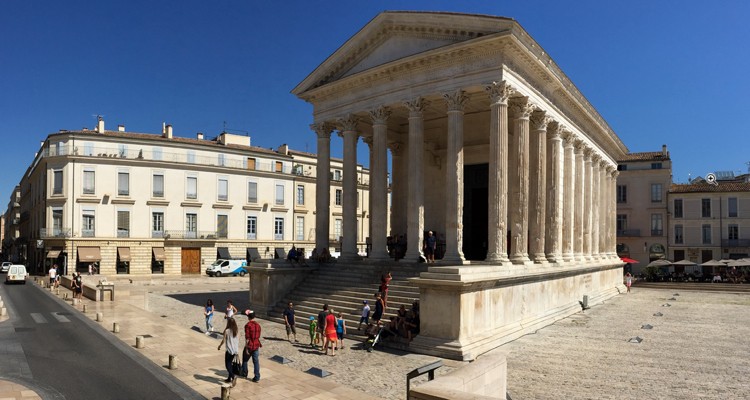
x,y
227,267
16,273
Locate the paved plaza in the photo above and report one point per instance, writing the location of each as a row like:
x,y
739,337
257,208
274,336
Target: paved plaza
x,y
698,349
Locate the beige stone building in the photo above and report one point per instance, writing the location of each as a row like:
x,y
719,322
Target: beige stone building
x,y
492,147
13,246
642,216
135,203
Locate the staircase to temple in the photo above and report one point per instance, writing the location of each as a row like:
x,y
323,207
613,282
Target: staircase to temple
x,y
343,287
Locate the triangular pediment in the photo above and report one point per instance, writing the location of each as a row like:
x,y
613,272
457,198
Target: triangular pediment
x,y
395,35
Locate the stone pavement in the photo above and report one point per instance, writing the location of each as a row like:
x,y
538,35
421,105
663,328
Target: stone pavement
x,y
10,390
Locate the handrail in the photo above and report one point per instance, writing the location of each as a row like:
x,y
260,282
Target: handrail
x,y
428,369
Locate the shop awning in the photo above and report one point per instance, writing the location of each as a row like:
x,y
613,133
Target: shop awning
x,y
223,253
53,253
89,254
158,253
123,253
252,254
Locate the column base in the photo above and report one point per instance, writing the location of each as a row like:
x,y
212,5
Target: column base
x,y
497,258
539,258
520,259
349,257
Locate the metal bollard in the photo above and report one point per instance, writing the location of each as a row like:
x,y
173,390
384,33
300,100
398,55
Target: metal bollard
x,y
225,389
172,361
99,317
2,311
65,296
139,342
57,291
84,308
116,327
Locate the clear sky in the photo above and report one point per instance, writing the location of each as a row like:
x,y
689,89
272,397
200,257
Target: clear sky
x,y
674,72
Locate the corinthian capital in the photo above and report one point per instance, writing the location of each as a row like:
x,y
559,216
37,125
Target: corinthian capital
x,y
368,141
554,129
540,120
456,100
348,123
499,92
568,137
417,105
322,129
397,148
521,108
380,115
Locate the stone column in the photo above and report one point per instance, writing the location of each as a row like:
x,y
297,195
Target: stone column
x,y
554,192
415,208
587,206
569,171
368,141
612,242
454,181
538,186
578,202
603,210
497,203
349,241
519,209
323,185
397,189
595,202
379,186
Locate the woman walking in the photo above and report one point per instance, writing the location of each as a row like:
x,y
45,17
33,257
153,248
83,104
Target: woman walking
x,y
329,330
208,312
231,310
628,281
232,339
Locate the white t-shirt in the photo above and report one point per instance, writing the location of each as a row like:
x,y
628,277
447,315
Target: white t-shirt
x,y
52,273
366,311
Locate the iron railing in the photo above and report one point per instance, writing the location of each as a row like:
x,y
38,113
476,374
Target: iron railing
x,y
45,233
172,234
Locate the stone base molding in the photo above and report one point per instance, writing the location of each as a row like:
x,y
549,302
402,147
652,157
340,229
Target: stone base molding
x,y
485,378
469,311
271,281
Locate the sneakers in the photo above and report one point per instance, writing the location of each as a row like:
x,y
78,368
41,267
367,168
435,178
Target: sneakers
x,y
208,333
234,381
255,379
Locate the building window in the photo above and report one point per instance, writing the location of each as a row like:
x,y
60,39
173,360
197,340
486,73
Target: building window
x,y
678,238
156,153
679,255
622,194
338,197
278,228
656,165
251,163
123,223
88,182
678,208
88,149
300,228
656,192
89,224
157,224
622,222
732,207
122,150
252,227
279,195
622,167
706,233
158,190
222,229
657,229
300,195
337,229
57,222
279,166
706,208
57,182
123,184
191,157
223,189
191,225
734,232
252,192
222,159
191,190
337,175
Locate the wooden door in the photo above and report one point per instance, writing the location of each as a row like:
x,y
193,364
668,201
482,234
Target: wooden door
x,y
191,260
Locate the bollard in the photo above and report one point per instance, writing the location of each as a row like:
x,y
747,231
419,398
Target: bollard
x,y
84,308
99,317
172,361
57,291
65,296
2,311
139,342
225,389
116,327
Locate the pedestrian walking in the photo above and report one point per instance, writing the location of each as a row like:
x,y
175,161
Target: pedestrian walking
x,y
208,312
230,311
289,322
322,323
232,339
53,276
365,315
385,281
340,329
628,281
430,244
329,331
252,346
78,286
313,332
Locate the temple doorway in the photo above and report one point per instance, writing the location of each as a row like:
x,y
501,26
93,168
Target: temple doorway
x,y
475,211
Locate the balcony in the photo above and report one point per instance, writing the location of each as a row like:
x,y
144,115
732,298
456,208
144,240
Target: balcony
x,y
157,234
88,233
629,233
735,242
122,233
171,234
45,233
657,232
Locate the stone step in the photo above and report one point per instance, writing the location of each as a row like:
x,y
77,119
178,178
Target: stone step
x,y
348,296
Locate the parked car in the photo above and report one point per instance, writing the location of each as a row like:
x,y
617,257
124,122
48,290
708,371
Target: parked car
x,y
16,273
227,267
6,265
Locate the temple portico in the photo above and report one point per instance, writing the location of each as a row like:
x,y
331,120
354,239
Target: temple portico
x,y
493,149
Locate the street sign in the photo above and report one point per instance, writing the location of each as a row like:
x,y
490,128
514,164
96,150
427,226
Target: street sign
x,y
39,244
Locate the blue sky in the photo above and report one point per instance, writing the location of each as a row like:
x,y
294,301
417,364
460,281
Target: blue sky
x,y
660,72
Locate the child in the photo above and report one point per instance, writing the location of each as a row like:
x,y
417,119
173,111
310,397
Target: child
x,y
365,315
340,329
313,332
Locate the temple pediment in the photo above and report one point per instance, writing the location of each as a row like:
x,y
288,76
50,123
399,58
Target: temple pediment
x,y
395,35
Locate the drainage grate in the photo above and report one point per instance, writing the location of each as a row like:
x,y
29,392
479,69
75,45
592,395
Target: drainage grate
x,y
647,326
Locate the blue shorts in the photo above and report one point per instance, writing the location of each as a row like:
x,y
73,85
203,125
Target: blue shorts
x,y
364,319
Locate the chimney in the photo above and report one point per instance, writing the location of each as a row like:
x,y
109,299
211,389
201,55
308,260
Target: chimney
x,y
121,128
664,150
163,128
283,149
100,124
167,131
200,135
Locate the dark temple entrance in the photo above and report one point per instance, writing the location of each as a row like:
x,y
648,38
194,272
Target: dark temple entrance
x,y
475,211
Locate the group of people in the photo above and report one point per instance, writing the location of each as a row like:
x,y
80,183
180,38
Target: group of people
x,y
76,282
296,256
323,256
329,329
405,324
230,338
397,247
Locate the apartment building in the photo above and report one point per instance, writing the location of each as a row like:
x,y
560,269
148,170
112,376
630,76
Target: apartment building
x,y
710,221
642,185
140,203
13,245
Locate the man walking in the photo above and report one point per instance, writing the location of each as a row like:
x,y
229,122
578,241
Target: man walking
x,y
289,322
53,276
252,346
